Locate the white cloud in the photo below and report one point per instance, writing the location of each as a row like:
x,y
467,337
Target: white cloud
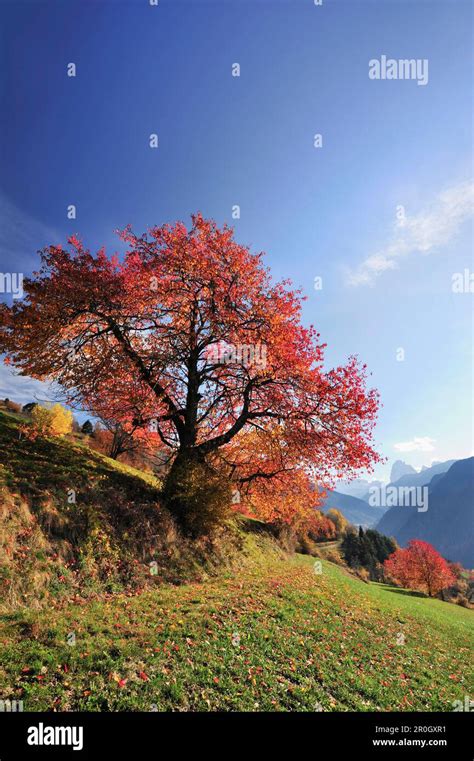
x,y
417,444
22,389
421,233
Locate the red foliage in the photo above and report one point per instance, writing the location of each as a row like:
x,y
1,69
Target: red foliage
x,y
322,529
27,431
145,343
420,567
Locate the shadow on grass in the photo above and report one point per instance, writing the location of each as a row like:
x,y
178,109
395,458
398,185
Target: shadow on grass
x,y
399,591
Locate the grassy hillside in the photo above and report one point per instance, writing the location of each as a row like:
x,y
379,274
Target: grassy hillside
x,y
73,520
268,633
276,637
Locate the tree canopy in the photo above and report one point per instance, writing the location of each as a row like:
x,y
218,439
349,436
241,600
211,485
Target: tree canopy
x,y
187,340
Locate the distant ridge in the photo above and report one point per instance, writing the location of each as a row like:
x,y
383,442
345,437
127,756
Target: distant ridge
x,y
357,511
424,476
448,524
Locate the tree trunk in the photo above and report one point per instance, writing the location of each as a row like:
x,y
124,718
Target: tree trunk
x,y
176,487
197,496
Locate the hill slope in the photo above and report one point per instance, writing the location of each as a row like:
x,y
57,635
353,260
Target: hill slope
x,y
276,635
72,520
448,523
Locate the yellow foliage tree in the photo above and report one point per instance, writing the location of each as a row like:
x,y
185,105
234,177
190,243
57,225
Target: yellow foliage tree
x,y
51,421
341,523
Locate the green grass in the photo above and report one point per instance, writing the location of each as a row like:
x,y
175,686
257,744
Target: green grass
x,y
278,637
273,635
73,520
49,467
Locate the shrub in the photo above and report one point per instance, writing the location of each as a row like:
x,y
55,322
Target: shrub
x,y
51,421
321,529
306,546
12,406
333,555
363,574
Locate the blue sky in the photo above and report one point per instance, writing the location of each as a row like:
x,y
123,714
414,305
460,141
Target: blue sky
x,y
329,212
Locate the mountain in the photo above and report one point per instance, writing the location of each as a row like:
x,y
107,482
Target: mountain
x,y
425,475
399,469
356,511
377,495
359,487
448,522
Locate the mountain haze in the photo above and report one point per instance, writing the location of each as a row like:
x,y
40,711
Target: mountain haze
x,y
357,511
448,523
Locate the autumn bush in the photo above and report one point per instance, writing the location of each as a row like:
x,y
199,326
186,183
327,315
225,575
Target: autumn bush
x,y
51,421
461,591
333,554
12,406
363,574
306,546
322,528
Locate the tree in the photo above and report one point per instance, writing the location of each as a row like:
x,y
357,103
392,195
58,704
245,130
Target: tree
x,y
383,546
87,428
420,567
340,522
322,529
29,407
350,549
367,549
51,421
116,439
188,340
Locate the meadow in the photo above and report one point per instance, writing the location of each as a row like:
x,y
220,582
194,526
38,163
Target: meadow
x,y
277,637
258,629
